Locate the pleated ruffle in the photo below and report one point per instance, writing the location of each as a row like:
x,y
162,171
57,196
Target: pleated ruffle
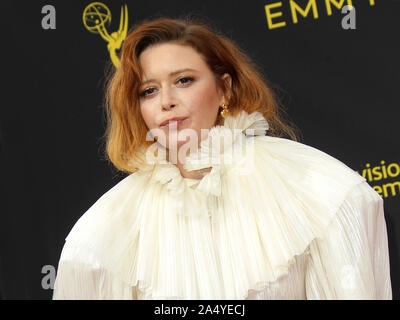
x,y
238,229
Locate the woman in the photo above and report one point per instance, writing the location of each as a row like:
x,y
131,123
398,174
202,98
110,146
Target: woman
x,y
217,203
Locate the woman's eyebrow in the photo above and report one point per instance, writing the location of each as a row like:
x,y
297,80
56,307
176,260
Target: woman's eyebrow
x,y
172,74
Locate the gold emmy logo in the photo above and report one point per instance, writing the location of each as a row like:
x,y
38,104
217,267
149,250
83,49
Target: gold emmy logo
x,y
95,17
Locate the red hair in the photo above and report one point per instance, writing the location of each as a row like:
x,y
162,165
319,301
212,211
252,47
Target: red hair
x,y
126,129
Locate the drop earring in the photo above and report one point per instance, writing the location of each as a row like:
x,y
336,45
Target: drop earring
x,y
225,111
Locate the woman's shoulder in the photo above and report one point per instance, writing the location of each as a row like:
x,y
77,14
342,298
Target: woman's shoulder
x,y
303,159
299,171
106,212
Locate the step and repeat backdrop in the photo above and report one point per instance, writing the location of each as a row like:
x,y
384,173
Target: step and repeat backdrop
x,y
336,71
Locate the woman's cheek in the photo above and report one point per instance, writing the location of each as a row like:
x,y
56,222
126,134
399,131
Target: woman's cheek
x,y
147,115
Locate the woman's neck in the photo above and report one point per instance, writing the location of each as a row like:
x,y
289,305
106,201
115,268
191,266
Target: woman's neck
x,y
194,174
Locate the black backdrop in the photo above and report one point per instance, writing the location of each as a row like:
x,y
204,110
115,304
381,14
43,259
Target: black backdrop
x,y
338,85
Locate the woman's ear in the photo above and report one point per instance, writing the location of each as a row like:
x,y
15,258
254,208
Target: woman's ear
x,y
227,81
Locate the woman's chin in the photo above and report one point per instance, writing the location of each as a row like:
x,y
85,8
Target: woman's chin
x,y
180,150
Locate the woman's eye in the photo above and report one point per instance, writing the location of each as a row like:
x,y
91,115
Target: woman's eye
x,y
185,80
146,92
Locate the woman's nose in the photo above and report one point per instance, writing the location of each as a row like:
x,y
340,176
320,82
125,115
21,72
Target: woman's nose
x,y
167,101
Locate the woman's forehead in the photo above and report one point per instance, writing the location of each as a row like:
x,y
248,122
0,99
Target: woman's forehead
x,y
168,59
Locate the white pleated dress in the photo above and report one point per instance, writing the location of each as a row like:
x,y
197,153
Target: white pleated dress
x,y
273,219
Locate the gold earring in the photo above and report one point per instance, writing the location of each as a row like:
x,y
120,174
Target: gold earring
x,y
225,111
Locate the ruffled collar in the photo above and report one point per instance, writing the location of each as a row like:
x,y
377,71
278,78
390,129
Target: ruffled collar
x,y
259,226
223,145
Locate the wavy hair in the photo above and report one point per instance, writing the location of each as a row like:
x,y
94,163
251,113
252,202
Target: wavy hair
x,y
250,91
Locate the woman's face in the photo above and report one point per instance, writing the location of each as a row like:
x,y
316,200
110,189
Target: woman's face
x,y
177,83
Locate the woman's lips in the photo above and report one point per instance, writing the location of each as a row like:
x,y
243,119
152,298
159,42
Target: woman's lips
x,y
174,123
